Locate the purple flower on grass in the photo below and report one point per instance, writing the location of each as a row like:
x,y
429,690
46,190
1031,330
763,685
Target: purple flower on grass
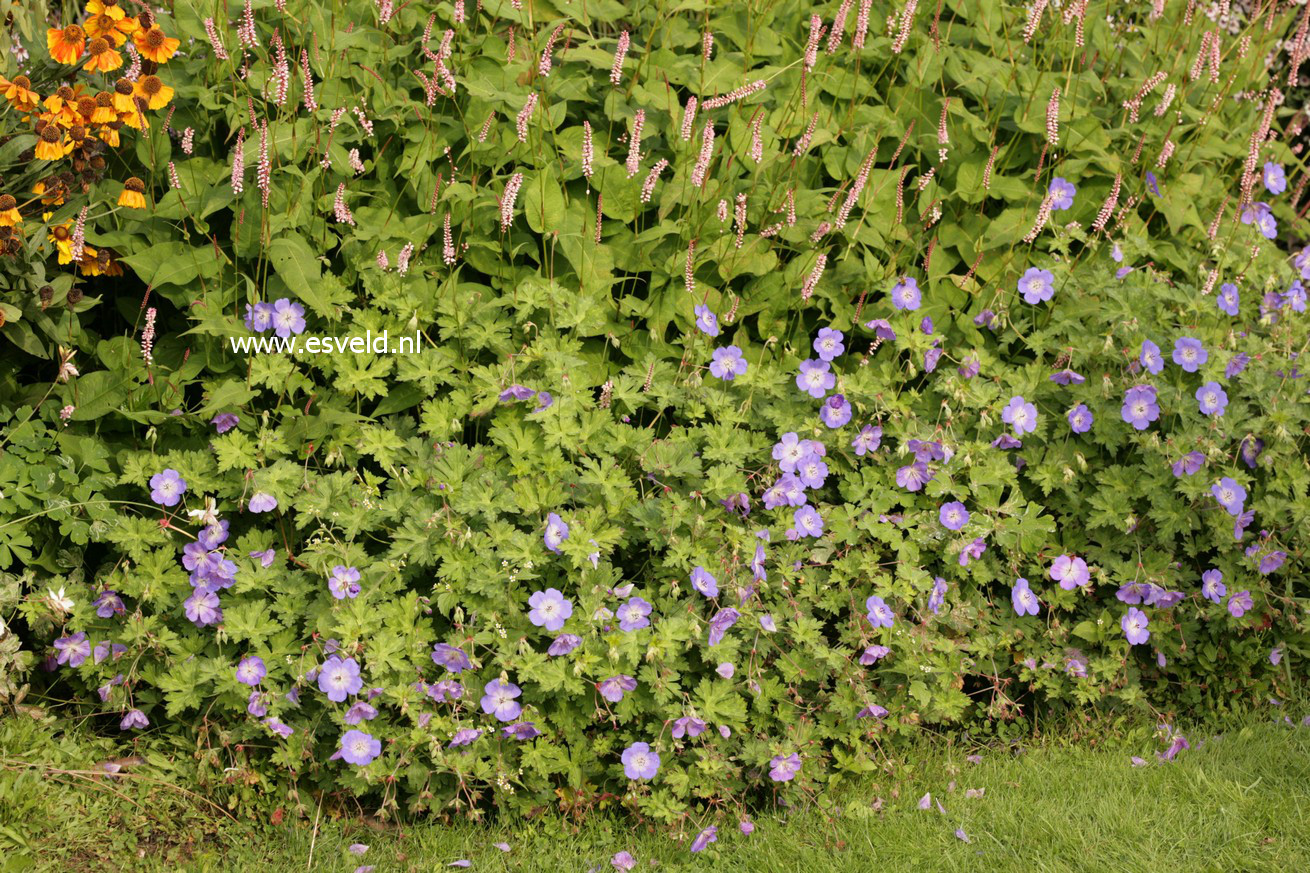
x,y
464,737
1021,415
1134,625
1212,399
726,670
704,838
1150,357
498,700
1140,408
931,357
225,421
1250,449
1276,655
288,318
1228,298
1188,464
344,582
808,522
1152,184
815,379
359,748
1068,377
969,368
882,329
278,727
1236,364
613,688
73,650
109,604
689,726
906,294
867,440
835,411
262,501
783,768
938,595
167,487
1239,603
706,320
1070,571
953,515
1037,285
1271,562
259,317
1190,354
704,582
202,608
516,392
912,477
872,711
640,761
360,711
1274,178
563,644
1061,192
880,614
829,345
789,451
1262,217
134,718
1080,418
1023,599
728,363
722,621
450,657
549,609
251,670
812,471
522,731
338,678
1212,586
623,862
1230,494
632,615
874,654
265,558
556,532
972,552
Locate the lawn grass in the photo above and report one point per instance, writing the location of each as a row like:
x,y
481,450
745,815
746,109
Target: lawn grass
x,y
1239,800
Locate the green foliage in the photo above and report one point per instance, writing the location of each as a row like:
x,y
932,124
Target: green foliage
x,y
424,472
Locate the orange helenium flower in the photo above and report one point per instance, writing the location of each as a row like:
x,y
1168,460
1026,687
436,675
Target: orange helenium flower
x,y
133,196
103,56
115,31
19,93
104,109
62,236
9,214
109,8
66,44
51,144
153,90
154,46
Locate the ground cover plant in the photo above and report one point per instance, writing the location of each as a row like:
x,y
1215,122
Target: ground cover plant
x,y
789,380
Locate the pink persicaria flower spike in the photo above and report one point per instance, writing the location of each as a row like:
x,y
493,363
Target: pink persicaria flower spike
x,y
588,150
339,208
688,118
634,143
211,32
507,200
616,72
706,154
525,114
239,163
